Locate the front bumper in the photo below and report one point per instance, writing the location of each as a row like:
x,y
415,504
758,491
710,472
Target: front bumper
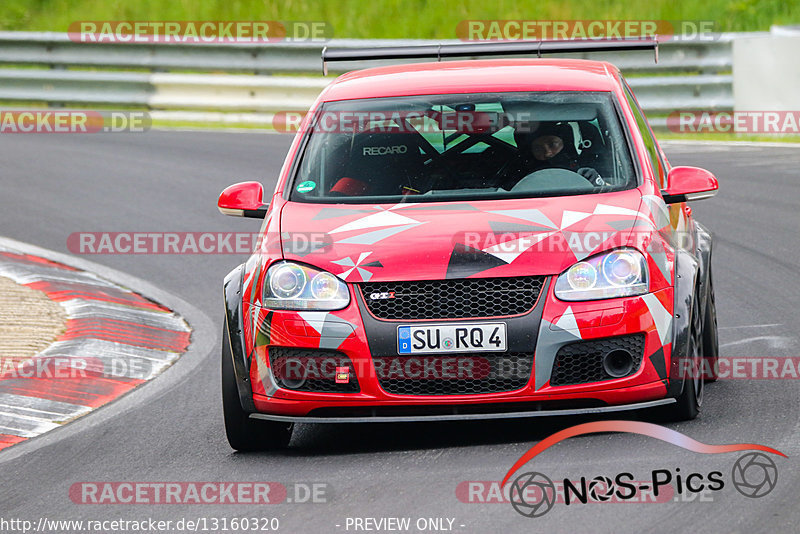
x,y
551,325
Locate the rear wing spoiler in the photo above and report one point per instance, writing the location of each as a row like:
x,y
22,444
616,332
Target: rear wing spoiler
x,y
501,48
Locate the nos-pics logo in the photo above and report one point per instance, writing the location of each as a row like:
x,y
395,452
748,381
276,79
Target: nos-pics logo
x,y
533,494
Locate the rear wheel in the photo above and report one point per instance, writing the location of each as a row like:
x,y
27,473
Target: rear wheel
x,y
691,398
710,339
245,434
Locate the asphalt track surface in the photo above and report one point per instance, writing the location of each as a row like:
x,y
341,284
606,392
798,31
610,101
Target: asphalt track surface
x,y
172,429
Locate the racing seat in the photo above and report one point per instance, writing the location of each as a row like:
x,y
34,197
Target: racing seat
x,y
381,162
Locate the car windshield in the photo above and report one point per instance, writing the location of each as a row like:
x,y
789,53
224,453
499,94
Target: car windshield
x,y
464,147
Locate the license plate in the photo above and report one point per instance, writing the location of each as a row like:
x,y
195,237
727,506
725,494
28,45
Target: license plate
x,y
427,338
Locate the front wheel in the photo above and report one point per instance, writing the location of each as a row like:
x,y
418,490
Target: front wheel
x,y
691,398
245,434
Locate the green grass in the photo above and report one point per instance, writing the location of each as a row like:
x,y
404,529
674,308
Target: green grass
x,y
396,18
199,125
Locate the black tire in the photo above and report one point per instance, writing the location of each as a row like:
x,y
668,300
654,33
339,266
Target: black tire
x,y
691,398
710,339
245,434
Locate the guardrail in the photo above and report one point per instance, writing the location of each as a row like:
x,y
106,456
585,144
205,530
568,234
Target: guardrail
x,y
58,50
699,73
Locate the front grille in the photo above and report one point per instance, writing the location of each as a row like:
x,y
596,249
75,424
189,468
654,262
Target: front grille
x,y
311,370
582,362
452,299
453,374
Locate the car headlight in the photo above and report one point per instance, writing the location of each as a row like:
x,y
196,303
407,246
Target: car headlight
x,y
291,286
620,273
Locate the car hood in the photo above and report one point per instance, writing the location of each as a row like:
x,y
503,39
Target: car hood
x,y
438,240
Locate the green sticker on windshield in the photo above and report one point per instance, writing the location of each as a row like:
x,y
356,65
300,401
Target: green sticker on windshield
x,y
305,187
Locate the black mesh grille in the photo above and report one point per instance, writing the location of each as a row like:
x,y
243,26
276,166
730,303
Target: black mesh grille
x,y
453,374
452,299
312,370
582,362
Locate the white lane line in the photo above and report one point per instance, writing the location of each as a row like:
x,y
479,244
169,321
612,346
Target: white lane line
x,y
7,415
28,428
97,348
770,325
27,417
109,358
39,404
24,273
732,144
82,308
35,414
775,342
114,366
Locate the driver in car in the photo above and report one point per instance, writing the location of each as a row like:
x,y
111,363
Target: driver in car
x,y
551,146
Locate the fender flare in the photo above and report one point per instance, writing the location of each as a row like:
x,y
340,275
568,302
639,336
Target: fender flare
x,y
232,295
704,246
687,268
691,281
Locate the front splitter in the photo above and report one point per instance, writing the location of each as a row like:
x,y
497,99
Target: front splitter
x,y
465,417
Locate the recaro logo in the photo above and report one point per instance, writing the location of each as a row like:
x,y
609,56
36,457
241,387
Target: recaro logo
x,y
383,150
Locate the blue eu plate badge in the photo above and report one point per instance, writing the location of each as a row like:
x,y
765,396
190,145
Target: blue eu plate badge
x,y
404,340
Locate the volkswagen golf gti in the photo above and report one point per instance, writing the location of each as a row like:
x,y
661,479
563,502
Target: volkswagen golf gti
x,y
469,239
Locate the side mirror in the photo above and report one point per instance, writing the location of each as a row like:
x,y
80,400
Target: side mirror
x,y
245,199
689,183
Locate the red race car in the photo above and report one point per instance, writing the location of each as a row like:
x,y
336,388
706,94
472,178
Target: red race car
x,y
497,238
